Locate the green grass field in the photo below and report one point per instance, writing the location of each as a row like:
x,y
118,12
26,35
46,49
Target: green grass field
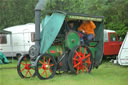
x,y
106,74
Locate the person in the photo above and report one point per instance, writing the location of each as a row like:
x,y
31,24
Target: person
x,y
73,25
86,31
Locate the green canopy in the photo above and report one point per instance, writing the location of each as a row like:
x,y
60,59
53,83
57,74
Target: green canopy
x,y
51,26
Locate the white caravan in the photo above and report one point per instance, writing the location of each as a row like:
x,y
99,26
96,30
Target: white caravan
x,y
19,41
123,53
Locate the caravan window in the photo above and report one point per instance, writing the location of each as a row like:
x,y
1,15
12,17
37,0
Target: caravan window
x,y
3,39
32,36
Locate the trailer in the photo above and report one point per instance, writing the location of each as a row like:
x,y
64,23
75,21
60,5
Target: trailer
x,y
17,39
111,43
58,48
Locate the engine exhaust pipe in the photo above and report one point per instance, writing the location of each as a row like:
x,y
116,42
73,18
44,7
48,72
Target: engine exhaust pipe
x,y
34,50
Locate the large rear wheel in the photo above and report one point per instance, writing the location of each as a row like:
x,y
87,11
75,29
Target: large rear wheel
x,y
80,59
45,66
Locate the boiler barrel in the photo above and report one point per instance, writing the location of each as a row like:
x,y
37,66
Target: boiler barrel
x,y
55,51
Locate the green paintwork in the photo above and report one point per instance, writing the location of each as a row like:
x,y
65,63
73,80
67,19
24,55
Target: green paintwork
x,y
93,48
72,39
55,50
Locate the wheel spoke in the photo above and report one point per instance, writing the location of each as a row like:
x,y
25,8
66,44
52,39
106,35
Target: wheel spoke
x,y
26,74
86,69
32,69
46,74
77,69
77,54
88,55
30,61
75,59
42,73
39,68
22,63
49,61
51,65
41,62
76,65
50,70
22,69
85,51
82,69
88,65
88,61
25,60
30,73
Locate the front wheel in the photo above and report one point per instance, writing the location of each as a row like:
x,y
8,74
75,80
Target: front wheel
x,y
24,68
45,66
80,59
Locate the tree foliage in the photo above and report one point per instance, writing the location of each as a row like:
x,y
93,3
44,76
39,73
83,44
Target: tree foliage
x,y
115,12
14,12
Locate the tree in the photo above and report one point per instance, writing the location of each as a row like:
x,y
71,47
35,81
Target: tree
x,y
115,12
14,12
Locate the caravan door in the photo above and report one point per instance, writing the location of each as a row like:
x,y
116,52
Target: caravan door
x,y
111,43
123,53
27,40
114,43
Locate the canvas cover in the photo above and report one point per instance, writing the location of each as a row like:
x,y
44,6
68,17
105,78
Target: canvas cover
x,y
99,36
51,26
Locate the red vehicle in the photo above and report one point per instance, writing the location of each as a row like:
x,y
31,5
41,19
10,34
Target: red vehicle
x,y
111,43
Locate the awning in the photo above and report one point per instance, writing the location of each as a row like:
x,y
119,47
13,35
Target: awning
x,y
4,32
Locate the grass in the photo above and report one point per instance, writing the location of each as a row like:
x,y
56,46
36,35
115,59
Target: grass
x,y
13,63
106,74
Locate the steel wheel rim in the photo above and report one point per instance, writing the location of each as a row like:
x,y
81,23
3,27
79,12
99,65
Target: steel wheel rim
x,y
24,67
78,62
45,67
81,61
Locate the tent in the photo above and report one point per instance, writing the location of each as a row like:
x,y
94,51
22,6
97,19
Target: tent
x,y
123,53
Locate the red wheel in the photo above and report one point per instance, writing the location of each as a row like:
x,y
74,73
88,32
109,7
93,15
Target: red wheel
x,y
45,66
80,59
24,68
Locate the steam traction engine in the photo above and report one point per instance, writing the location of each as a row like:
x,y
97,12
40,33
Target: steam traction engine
x,y
58,48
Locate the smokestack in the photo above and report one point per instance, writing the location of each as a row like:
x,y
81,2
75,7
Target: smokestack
x,y
40,6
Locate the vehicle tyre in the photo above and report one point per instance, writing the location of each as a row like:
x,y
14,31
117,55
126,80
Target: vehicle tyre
x,y
45,66
80,59
18,56
24,68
